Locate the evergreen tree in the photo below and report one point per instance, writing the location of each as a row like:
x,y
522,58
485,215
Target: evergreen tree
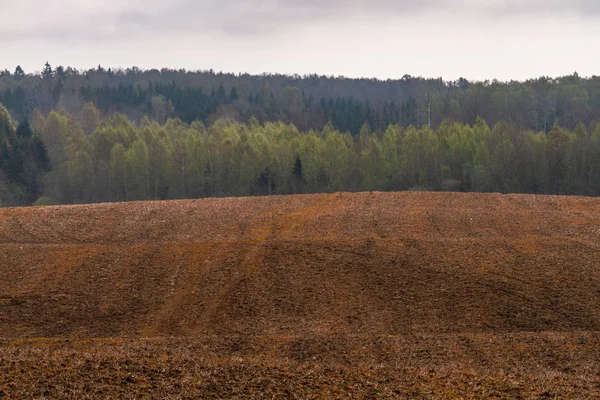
x,y
24,130
298,176
19,73
233,95
47,72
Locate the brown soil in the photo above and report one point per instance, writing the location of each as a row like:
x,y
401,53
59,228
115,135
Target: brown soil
x,y
426,295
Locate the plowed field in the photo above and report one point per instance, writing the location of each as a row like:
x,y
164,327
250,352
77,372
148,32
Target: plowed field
x,y
416,295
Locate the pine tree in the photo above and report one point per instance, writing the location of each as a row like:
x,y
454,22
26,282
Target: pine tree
x,y
24,130
298,176
19,73
233,95
47,72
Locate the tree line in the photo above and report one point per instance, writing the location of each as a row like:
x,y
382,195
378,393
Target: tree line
x,y
63,158
308,102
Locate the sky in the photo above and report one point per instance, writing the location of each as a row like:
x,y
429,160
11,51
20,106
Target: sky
x,y
475,39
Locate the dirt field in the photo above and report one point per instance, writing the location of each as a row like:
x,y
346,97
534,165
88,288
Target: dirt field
x,y
415,295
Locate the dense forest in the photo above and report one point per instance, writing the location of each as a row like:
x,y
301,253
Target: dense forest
x,y
69,136
65,159
308,102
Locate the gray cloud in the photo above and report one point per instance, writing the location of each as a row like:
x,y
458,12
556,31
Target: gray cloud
x,y
260,17
124,19
583,8
276,11
478,39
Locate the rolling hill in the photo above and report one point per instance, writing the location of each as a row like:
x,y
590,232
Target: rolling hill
x,y
436,291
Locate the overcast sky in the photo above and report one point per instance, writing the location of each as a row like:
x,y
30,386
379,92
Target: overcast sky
x,y
476,39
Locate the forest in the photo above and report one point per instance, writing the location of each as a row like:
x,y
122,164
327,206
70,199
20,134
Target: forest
x,y
308,102
69,136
